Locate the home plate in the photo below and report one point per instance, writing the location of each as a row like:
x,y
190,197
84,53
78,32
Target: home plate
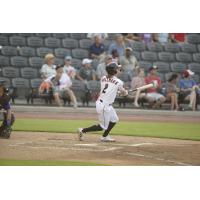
x,y
86,145
141,144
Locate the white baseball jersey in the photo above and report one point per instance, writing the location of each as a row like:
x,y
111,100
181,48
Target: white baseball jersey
x,y
109,88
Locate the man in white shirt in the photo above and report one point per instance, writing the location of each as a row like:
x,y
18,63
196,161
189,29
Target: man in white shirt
x,y
68,69
61,84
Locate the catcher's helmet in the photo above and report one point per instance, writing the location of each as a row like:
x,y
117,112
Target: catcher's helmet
x,y
112,68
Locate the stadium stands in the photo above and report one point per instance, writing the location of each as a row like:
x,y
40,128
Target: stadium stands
x,y
22,55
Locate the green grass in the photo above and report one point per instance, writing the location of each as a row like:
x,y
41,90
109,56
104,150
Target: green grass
x,y
190,131
6,162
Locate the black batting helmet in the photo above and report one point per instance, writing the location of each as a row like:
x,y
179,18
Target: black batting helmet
x,y
112,68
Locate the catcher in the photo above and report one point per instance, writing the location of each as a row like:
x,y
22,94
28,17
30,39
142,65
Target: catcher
x,y
5,111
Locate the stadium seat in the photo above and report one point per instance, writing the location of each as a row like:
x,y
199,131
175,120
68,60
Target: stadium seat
x,y
4,40
155,46
195,67
198,47
27,51
183,57
80,53
9,51
95,63
125,76
70,43
107,43
60,35
79,89
76,63
172,47
36,62
149,56
78,36
94,86
26,34
111,36
4,61
145,65
42,51
196,57
196,78
138,46
62,52
58,61
52,42
162,77
163,67
19,61
193,38
36,82
29,73
17,41
178,67
7,81
44,35
10,72
35,41
85,43
166,56
137,55
188,48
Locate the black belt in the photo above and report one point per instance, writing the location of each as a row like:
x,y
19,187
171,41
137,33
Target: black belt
x,y
102,102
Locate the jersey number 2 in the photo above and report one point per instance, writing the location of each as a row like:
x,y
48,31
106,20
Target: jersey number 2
x,y
104,90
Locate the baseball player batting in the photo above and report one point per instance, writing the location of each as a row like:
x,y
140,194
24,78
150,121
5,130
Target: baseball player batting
x,y
107,115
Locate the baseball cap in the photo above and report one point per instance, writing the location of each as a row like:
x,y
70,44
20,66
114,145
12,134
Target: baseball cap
x,y
68,58
86,61
129,48
58,67
191,73
153,67
108,57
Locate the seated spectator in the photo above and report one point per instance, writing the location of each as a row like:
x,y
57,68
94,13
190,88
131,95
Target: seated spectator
x,y
178,37
101,35
128,61
68,69
48,69
60,84
86,73
101,68
138,81
131,37
154,97
118,45
161,37
172,91
188,89
97,49
115,56
146,37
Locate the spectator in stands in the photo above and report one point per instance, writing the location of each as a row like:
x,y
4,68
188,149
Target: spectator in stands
x,y
97,49
48,69
154,96
146,37
188,89
60,84
68,69
138,81
128,61
101,35
161,37
178,37
172,91
115,56
86,73
101,68
118,45
131,37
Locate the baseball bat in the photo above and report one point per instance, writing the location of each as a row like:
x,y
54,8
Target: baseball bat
x,y
154,84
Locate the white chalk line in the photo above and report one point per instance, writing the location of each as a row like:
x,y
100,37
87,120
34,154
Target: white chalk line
x,y
159,159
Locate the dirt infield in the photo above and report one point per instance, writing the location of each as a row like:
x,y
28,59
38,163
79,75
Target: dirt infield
x,y
125,151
